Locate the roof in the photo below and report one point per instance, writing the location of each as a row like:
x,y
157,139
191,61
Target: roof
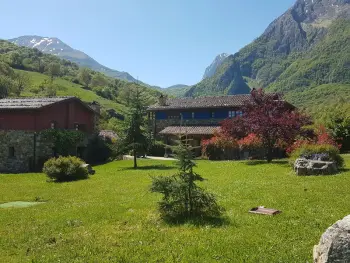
x,y
203,102
189,130
34,103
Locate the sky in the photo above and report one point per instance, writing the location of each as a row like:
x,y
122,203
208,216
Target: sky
x,y
160,42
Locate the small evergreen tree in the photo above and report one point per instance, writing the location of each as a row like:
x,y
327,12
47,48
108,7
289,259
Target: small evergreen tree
x,y
183,198
135,132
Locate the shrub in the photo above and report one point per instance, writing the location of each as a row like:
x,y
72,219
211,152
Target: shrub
x,y
318,151
65,169
100,150
156,148
182,197
220,147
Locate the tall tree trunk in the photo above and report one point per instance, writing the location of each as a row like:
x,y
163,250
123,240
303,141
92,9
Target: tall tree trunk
x,y
135,158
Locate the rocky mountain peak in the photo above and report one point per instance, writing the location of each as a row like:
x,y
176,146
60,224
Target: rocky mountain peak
x,y
210,71
309,11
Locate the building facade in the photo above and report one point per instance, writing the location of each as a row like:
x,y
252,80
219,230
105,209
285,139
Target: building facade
x,y
22,148
200,115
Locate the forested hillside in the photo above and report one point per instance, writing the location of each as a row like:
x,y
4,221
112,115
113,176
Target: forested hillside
x,y
29,72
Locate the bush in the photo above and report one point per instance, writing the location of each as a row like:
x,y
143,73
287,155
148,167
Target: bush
x,y
182,198
99,150
322,151
176,201
64,169
220,147
157,149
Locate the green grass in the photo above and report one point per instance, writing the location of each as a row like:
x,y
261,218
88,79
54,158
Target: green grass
x,y
68,88
112,217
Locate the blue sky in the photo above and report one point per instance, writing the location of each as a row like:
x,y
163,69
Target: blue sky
x,y
161,42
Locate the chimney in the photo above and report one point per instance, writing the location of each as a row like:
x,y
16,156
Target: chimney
x,y
162,100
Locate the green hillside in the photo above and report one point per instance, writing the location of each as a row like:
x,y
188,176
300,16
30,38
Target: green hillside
x,y
327,62
227,80
176,91
67,88
29,72
324,101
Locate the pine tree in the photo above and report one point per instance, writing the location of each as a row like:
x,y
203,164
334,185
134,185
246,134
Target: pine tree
x,y
135,132
183,198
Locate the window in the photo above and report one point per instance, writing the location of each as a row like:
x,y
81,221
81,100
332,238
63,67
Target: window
x,y
239,113
11,152
231,114
192,115
173,117
79,127
53,125
213,114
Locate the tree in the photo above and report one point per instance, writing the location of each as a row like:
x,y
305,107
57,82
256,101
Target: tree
x,y
135,134
21,81
99,80
183,198
270,118
54,70
85,76
6,85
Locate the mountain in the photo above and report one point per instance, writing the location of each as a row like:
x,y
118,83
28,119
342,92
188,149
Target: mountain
x,y
177,91
292,36
211,70
55,46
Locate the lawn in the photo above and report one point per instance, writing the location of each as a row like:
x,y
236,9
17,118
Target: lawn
x,y
112,217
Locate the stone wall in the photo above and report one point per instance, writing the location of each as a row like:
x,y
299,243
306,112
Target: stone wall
x,y
23,148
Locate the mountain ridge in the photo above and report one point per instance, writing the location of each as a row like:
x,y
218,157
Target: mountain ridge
x,y
287,38
55,46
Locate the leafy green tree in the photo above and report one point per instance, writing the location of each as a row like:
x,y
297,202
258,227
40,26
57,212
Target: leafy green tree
x,y
21,82
54,70
6,85
135,133
85,77
99,80
182,197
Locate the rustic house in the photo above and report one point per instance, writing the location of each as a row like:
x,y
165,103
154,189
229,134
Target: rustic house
x,y
22,120
198,118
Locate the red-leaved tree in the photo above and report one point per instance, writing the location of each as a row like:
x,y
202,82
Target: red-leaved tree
x,y
270,118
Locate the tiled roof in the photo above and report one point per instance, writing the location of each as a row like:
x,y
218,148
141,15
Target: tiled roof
x,y
189,130
203,102
30,103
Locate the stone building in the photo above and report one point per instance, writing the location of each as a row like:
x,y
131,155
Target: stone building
x,y
22,147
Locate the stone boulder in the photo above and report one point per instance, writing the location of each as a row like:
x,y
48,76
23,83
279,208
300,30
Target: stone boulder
x,y
304,166
334,246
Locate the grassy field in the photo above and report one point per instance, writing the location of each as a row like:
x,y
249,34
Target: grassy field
x,y
71,89
112,217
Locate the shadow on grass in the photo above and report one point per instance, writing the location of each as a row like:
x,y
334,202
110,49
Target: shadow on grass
x,y
198,221
150,167
262,162
66,181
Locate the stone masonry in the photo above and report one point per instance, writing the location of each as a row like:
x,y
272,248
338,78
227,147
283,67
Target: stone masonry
x,y
17,151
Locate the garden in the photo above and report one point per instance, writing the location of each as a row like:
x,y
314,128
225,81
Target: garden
x,y
113,216
188,210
